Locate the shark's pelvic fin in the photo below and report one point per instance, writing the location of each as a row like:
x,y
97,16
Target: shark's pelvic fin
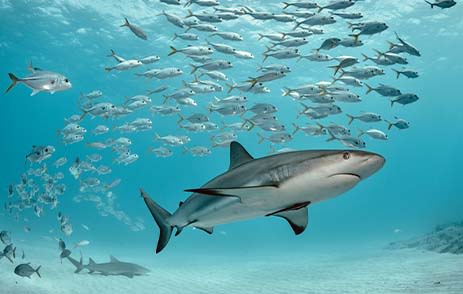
x,y
244,194
297,219
238,155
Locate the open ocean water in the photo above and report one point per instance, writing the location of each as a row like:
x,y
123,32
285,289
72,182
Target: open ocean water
x,y
344,247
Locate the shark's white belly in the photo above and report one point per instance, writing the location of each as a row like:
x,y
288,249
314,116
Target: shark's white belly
x,y
307,187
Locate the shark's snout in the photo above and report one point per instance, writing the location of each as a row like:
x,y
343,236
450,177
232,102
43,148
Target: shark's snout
x,y
369,164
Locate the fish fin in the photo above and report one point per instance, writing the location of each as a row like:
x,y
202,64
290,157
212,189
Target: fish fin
x,y
238,155
190,14
194,68
91,261
297,219
113,259
332,136
37,271
126,23
432,5
160,216
296,128
369,89
173,51
208,230
361,132
285,5
14,81
128,275
351,118
397,72
244,194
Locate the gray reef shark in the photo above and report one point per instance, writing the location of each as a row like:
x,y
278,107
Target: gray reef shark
x,y
114,267
280,185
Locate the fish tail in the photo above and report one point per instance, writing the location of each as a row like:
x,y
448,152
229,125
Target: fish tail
x,y
180,119
260,36
160,216
361,132
332,136
392,102
194,68
230,86
285,5
126,23
175,36
365,57
389,124
286,91
320,9
351,118
112,53
37,271
379,52
173,51
296,128
432,5
369,89
14,81
190,13
261,138
397,72
298,24
78,264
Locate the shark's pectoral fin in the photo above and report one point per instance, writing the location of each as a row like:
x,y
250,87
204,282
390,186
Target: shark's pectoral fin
x,y
244,194
297,219
208,230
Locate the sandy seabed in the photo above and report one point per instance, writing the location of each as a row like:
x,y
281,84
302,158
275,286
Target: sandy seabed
x,y
382,271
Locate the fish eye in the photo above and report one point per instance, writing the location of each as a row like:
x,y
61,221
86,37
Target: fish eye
x,y
66,80
346,155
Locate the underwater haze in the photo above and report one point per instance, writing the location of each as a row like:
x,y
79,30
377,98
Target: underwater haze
x,y
93,204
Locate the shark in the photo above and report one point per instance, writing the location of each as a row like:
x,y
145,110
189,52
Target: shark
x,y
280,185
114,267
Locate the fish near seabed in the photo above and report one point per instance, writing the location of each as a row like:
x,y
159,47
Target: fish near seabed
x,y
41,81
280,185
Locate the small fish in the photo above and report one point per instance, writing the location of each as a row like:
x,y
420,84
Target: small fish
x,y
26,270
161,151
405,99
373,133
85,227
399,123
442,3
41,81
136,30
367,117
82,243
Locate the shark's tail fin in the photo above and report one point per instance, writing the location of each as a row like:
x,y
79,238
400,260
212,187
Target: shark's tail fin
x,y
78,264
160,216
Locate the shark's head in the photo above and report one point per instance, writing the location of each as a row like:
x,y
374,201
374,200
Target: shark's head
x,y
338,171
354,163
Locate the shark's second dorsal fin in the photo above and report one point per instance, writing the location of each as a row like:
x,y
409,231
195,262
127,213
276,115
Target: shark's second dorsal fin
x,y
238,155
113,259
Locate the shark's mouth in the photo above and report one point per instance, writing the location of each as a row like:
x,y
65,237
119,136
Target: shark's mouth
x,y
347,174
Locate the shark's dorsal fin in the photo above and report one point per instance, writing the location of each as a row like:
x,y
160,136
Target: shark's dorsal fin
x,y
297,219
113,259
238,155
90,261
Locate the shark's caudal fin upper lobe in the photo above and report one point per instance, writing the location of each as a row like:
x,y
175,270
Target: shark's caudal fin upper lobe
x,y
160,216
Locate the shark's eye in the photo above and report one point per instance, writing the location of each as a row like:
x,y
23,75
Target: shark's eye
x,y
346,155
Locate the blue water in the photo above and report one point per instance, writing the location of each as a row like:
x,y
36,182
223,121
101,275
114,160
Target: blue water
x,y
418,188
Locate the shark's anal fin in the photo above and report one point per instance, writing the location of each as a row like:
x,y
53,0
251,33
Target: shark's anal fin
x,y
238,155
244,194
297,218
208,230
